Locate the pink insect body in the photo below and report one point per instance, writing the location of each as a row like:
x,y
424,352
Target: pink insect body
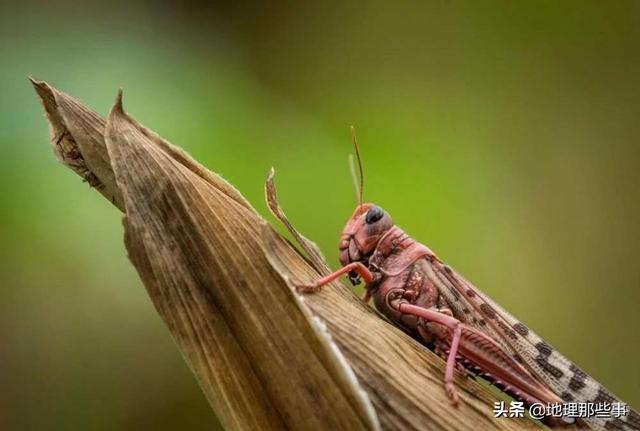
x,y
402,276
414,289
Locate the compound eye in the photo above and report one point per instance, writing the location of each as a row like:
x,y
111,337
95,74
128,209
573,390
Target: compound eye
x,y
373,215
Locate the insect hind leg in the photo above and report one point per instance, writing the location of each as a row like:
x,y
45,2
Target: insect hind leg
x,y
451,362
446,320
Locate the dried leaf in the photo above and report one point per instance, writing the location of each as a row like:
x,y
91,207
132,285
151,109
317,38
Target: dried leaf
x,y
222,280
195,244
77,137
315,255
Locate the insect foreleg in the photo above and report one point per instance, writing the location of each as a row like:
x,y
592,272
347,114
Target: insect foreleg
x,y
358,267
366,297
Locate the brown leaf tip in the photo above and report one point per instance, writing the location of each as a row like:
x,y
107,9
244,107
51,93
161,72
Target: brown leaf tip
x,y
34,81
117,106
43,89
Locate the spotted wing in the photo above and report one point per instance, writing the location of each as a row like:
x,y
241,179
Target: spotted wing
x,y
569,382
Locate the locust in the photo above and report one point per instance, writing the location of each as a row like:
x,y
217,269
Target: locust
x,y
416,290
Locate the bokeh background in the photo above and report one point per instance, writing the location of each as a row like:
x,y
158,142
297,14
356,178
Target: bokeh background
x,y
504,135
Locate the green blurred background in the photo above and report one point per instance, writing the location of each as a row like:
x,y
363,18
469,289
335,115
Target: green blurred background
x,y
504,135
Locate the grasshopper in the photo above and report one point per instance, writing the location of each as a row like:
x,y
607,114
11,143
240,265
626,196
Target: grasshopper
x,y
417,291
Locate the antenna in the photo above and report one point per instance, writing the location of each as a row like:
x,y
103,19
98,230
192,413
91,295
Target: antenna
x,y
360,189
354,176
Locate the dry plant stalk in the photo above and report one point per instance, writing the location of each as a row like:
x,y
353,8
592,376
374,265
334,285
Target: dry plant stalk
x,y
221,278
